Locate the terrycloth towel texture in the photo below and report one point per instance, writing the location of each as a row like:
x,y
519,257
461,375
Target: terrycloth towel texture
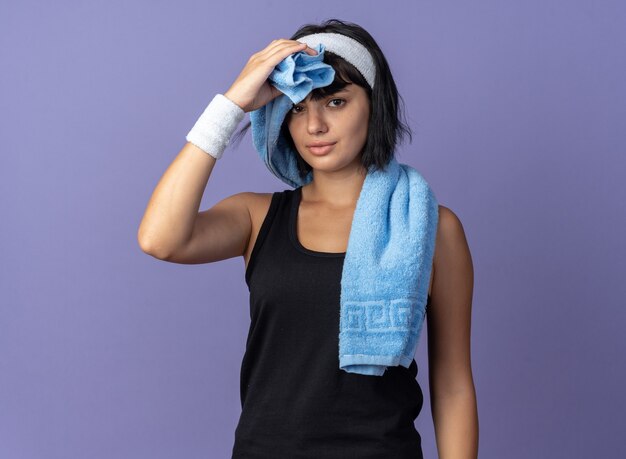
x,y
387,266
295,76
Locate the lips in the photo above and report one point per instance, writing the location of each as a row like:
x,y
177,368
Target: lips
x,y
320,149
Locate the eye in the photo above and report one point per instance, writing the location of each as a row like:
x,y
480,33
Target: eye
x,y
340,100
296,108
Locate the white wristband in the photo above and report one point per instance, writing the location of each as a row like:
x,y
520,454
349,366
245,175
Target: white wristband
x,y
216,125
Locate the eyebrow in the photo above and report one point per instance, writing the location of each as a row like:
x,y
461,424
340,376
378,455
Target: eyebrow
x,y
331,94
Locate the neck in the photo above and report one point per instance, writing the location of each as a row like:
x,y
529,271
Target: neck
x,y
337,189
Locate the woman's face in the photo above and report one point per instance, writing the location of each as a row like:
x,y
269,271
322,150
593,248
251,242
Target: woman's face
x,y
341,118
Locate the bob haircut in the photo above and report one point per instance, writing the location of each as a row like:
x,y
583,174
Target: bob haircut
x,y
385,127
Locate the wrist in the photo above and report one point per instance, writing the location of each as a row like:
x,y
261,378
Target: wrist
x,y
234,100
216,125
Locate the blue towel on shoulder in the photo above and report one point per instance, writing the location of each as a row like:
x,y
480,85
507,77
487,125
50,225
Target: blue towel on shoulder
x,y
388,261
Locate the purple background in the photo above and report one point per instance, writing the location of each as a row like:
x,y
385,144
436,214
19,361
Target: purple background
x,y
519,118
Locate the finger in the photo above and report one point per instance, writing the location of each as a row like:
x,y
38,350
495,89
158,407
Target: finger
x,y
285,49
276,44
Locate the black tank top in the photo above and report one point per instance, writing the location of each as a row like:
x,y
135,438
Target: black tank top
x,y
296,402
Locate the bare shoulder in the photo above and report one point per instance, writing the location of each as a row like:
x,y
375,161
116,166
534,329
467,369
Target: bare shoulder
x,y
250,200
450,225
256,198
451,247
257,203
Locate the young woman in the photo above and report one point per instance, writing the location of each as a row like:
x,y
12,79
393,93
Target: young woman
x,y
296,401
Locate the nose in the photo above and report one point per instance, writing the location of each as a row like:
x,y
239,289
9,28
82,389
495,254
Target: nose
x,y
315,120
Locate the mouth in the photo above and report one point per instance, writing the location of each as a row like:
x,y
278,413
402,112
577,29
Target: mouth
x,y
321,150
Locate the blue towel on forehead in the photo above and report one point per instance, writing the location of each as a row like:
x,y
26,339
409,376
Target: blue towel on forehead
x,y
388,261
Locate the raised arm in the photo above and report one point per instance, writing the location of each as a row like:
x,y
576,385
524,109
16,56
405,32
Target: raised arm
x,y
173,230
172,227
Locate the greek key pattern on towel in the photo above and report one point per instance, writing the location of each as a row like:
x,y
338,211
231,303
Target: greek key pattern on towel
x,y
380,316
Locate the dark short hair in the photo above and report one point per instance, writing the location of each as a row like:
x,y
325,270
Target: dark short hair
x,y
386,128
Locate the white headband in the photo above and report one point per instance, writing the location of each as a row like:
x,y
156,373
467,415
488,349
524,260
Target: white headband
x,y
346,47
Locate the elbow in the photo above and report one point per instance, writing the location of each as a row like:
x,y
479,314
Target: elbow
x,y
152,247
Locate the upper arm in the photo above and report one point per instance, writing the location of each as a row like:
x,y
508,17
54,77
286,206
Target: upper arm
x,y
221,232
449,314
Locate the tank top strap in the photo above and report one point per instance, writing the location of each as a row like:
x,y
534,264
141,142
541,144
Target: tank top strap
x,y
275,227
